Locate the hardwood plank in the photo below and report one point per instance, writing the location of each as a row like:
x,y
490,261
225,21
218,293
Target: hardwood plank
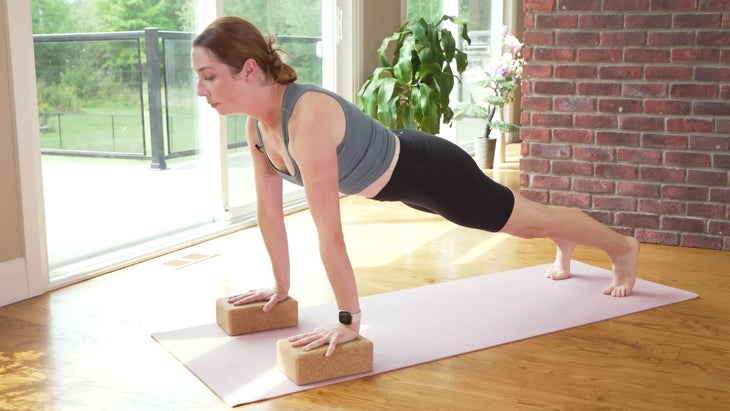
x,y
88,346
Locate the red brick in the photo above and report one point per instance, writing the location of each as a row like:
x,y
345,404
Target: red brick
x,y
623,38
657,237
708,178
711,143
693,90
606,105
600,55
617,138
664,141
701,241
570,199
531,6
712,109
573,135
537,103
642,156
671,38
549,150
719,227
674,5
689,193
687,159
572,104
537,70
600,21
644,90
637,220
695,55
550,182
575,71
696,20
643,123
579,5
592,153
719,5
712,73
620,73
683,224
595,121
689,125
704,210
721,195
599,89
646,55
551,120
668,73
574,168
539,196
663,174
722,126
667,107
538,38
531,165
637,189
584,185
618,171
626,5
577,38
647,21
721,161
534,134
525,119
529,22
554,54
554,21
614,202
662,207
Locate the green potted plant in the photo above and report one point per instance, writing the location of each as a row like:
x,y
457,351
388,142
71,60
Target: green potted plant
x,y
494,90
412,89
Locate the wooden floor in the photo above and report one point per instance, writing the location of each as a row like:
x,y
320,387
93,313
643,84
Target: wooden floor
x,y
88,346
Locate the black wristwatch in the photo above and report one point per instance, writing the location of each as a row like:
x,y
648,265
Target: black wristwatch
x,y
347,318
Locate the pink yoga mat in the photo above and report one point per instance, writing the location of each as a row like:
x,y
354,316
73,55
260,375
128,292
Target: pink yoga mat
x,y
417,325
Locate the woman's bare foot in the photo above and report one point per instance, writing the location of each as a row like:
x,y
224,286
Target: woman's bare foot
x,y
560,270
624,271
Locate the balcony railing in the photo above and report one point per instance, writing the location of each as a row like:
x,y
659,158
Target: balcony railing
x,y
161,124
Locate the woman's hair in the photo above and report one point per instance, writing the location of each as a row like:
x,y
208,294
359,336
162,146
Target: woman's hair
x,y
233,40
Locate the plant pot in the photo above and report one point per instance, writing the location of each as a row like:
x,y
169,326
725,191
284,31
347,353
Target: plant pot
x,y
484,152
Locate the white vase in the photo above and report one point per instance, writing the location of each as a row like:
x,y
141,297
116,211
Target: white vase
x,y
484,152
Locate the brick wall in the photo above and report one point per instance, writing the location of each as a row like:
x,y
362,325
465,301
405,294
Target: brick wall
x,y
626,115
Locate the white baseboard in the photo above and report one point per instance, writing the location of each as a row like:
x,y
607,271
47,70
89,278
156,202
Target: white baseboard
x,y
14,281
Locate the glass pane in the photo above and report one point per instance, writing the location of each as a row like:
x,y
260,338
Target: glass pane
x,y
297,25
121,161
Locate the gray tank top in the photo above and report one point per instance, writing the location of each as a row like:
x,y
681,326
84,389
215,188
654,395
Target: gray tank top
x,y
364,154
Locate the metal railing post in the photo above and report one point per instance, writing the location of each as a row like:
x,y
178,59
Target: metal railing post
x,y
154,98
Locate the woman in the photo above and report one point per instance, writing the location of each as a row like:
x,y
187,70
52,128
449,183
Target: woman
x,y
315,138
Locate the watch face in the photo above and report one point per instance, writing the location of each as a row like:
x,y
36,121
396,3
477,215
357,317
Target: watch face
x,y
345,318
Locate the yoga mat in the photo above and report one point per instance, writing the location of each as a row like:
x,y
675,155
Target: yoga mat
x,y
417,325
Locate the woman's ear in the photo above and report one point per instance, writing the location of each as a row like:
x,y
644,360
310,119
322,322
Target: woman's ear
x,y
249,69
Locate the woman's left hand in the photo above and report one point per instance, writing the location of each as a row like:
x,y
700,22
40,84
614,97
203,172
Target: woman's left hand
x,y
332,334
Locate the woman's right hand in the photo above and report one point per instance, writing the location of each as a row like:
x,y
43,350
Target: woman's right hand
x,y
272,295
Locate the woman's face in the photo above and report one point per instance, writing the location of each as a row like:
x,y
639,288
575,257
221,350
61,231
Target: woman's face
x,y
216,82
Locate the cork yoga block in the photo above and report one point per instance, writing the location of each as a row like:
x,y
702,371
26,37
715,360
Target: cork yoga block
x,y
250,318
307,367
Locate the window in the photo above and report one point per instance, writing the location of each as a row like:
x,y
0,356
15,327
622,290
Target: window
x,y
132,162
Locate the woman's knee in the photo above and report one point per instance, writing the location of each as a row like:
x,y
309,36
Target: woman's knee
x,y
528,219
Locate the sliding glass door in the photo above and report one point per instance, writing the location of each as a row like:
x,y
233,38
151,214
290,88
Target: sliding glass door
x,y
131,162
